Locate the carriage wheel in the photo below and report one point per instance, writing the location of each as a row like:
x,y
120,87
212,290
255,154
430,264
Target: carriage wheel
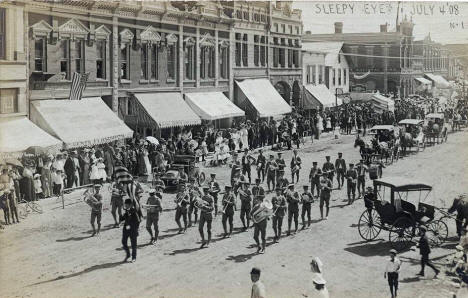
x,y
369,226
437,232
402,233
201,178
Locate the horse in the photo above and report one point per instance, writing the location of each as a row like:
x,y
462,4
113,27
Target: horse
x,y
460,205
365,150
385,149
406,141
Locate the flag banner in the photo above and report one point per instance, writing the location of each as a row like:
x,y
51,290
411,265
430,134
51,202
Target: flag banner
x,y
78,85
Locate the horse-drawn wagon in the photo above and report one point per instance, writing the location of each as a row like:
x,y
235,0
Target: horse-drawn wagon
x,y
435,128
392,210
379,145
412,135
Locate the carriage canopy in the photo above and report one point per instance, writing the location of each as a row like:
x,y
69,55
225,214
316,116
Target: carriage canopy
x,y
383,127
399,184
411,122
435,116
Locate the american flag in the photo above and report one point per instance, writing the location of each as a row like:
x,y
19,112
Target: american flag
x,y
78,85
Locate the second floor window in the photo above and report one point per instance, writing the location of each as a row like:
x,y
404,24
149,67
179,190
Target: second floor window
x,y
296,59
207,63
282,57
334,77
79,56
171,61
101,59
40,54
256,50
313,76
8,101
238,49
65,57
124,58
224,62
154,62
344,76
262,51
245,57
275,57
189,61
144,61
290,58
339,76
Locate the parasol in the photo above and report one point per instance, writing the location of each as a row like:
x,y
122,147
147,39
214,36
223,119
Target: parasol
x,y
36,150
152,140
12,161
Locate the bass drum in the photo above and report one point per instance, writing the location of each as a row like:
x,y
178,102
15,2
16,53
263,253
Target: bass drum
x,y
263,212
374,172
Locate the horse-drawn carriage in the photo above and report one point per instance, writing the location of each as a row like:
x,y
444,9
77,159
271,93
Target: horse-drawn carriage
x,y
412,135
381,144
436,128
393,211
172,177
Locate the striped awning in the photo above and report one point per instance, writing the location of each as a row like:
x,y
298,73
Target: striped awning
x,y
79,123
167,109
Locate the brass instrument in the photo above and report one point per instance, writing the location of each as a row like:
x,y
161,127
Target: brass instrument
x,y
200,203
306,198
179,200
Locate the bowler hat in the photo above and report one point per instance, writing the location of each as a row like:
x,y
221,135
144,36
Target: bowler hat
x,y
255,270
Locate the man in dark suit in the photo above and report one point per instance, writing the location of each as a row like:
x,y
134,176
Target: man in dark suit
x,y
70,169
424,251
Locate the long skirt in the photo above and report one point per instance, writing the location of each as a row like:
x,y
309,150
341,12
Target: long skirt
x,y
46,181
85,174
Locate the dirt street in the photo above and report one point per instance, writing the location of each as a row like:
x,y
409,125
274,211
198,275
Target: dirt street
x,y
52,255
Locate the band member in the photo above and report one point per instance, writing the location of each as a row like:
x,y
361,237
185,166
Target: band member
x,y
194,193
259,227
206,207
245,196
329,169
326,186
295,166
229,203
182,200
292,196
95,202
214,189
116,202
282,182
279,211
235,169
340,166
281,166
247,161
261,162
257,190
361,169
307,200
314,178
131,219
154,207
271,168
351,178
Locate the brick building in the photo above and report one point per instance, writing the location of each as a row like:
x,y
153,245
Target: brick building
x,y
391,74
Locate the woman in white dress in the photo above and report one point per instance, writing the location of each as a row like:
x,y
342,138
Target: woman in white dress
x,y
319,124
101,170
147,162
244,134
94,174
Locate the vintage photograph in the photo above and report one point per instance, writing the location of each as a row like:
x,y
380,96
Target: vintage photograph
x,y
229,149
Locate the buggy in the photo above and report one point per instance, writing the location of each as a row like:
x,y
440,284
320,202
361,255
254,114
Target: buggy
x,y
436,128
393,211
172,177
412,134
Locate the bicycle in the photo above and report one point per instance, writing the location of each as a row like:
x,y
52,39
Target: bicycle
x,y
28,207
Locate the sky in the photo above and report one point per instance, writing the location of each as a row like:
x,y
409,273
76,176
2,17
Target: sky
x,y
447,22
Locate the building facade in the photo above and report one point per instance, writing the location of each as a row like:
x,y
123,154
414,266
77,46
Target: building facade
x,y
129,48
13,61
378,61
325,63
267,38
